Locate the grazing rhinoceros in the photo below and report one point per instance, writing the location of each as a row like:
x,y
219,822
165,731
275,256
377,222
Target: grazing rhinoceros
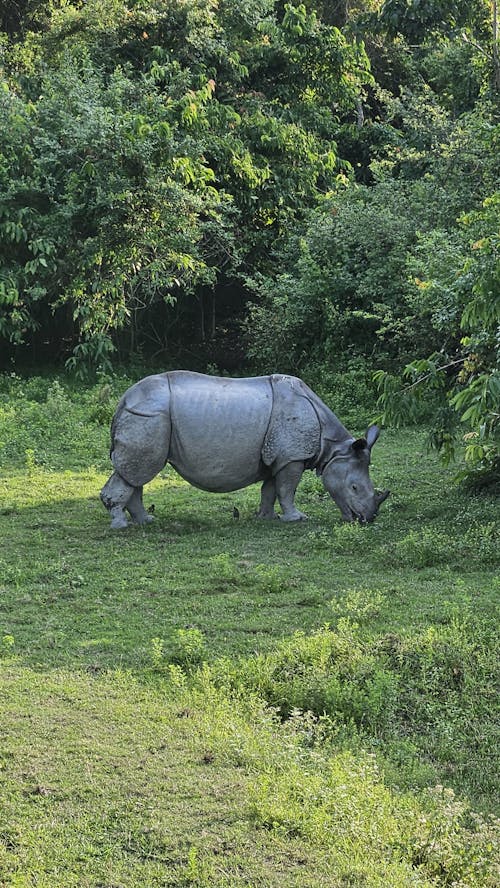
x,y
224,434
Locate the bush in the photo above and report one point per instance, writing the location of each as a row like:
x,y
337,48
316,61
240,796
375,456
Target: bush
x,y
328,672
337,801
350,393
347,291
185,648
461,378
54,422
417,698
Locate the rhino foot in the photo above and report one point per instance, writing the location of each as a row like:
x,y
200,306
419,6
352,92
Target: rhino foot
x,y
142,519
293,516
119,522
267,516
136,508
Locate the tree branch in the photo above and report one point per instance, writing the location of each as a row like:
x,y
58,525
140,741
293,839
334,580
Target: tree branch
x,y
426,376
361,116
476,45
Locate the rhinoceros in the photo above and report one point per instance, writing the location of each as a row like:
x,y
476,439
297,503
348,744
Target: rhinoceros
x,y
223,434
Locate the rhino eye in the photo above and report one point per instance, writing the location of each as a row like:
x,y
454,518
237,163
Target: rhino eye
x,y
354,486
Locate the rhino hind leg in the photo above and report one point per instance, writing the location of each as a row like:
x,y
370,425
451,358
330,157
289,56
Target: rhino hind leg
x,y
286,482
116,495
267,500
136,508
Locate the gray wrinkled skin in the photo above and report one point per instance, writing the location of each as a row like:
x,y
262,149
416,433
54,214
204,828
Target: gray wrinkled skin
x,y
224,434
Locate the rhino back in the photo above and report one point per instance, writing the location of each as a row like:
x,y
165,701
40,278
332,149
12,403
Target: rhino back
x,y
218,428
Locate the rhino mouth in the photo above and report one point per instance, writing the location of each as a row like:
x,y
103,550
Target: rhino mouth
x,y
364,519
380,497
354,517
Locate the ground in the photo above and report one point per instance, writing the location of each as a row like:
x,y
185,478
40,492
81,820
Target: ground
x,y
137,669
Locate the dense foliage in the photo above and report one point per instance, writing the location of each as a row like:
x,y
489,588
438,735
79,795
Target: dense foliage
x,y
153,149
258,185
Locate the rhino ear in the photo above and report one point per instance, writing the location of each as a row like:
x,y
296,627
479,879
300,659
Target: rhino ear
x,y
359,444
372,435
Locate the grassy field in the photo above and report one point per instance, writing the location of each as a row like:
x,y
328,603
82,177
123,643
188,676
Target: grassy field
x,y
219,702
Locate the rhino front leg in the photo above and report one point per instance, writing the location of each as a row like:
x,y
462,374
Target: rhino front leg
x,y
136,508
267,500
115,496
286,484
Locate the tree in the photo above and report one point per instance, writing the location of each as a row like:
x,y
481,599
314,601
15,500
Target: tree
x,y
163,145
463,385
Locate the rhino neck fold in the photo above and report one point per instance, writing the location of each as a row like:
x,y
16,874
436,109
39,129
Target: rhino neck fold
x,y
330,449
334,435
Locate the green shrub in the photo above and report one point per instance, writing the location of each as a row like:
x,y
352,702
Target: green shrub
x,y
435,666
269,579
417,699
347,806
7,644
420,548
337,801
55,424
187,647
326,672
184,648
447,688
350,393
360,605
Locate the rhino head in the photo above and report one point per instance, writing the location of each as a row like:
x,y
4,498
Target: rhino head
x,y
346,478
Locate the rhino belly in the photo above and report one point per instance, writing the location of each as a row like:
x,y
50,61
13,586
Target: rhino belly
x,y
218,428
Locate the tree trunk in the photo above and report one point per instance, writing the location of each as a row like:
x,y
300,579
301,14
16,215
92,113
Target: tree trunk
x,y
213,328
202,318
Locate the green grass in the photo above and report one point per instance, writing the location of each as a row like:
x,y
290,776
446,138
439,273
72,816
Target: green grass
x,y
210,701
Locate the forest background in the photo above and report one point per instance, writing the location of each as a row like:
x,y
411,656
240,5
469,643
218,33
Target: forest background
x,y
256,186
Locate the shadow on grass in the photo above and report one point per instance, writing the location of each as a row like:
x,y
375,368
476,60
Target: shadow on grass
x,y
74,593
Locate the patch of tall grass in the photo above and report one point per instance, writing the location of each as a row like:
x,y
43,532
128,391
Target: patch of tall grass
x,y
337,800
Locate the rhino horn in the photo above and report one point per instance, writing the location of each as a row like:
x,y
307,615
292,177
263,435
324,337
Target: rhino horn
x,y
381,496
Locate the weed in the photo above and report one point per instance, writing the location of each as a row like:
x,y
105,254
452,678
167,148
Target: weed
x,y
269,579
342,539
157,652
57,400
429,546
102,402
197,871
359,605
223,570
188,647
326,672
31,462
185,648
7,645
337,801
